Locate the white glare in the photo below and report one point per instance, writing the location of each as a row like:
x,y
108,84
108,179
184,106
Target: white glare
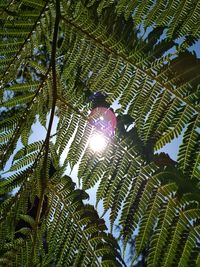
x,y
98,142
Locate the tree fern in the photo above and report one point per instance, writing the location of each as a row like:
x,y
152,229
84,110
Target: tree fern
x,y
170,92
54,55
159,14
190,137
80,219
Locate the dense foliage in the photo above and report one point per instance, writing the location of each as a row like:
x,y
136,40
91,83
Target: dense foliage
x,y
53,55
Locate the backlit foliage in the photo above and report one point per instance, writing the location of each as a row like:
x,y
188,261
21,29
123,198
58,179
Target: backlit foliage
x,y
53,55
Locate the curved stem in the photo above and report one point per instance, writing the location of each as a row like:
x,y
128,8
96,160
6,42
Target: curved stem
x,y
44,171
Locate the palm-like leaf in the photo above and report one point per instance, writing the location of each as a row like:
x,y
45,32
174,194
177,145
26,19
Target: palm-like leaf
x,y
55,53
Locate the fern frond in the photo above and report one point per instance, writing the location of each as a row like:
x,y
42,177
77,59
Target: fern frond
x,y
122,192
159,107
189,245
185,115
83,229
68,132
18,100
188,156
79,144
160,13
181,225
148,221
98,47
23,87
11,182
6,136
34,3
27,150
24,162
124,69
159,239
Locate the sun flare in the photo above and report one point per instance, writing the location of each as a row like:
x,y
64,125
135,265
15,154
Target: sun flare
x,y
98,142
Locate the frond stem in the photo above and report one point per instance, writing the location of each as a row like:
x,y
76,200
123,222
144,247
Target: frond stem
x,y
47,139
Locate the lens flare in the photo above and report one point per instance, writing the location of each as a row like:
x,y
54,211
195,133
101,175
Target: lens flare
x,y
104,120
98,142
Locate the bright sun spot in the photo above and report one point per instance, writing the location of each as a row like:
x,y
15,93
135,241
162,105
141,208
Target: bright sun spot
x,y
97,142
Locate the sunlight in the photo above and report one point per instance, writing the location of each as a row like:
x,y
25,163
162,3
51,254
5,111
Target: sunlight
x,y
98,142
